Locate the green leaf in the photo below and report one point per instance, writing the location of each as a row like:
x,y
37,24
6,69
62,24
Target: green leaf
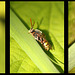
x,y
46,20
71,21
72,70
2,9
71,57
20,62
2,37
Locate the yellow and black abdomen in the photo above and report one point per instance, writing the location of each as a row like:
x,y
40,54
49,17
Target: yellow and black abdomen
x,y
46,45
41,39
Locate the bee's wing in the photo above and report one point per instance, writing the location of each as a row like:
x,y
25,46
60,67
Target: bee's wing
x,y
40,33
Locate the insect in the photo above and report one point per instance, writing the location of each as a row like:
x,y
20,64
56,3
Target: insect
x,y
39,36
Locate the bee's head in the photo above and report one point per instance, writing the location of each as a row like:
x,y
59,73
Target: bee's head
x,y
31,30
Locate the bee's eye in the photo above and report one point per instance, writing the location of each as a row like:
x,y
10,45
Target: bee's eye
x,y
32,31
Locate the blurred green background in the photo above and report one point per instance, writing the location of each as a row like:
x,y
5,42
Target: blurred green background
x,y
2,36
71,36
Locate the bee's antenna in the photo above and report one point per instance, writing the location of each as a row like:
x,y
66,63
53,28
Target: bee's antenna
x,y
31,22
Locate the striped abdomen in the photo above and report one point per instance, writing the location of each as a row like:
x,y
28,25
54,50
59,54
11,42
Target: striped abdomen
x,y
42,40
46,44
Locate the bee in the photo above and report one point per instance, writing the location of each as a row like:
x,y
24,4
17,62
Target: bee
x,y
39,36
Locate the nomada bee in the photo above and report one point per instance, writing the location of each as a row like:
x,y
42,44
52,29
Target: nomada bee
x,y
39,36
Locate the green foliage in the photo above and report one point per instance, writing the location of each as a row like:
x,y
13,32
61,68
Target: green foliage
x,y
49,18
2,37
71,58
20,62
71,40
71,21
72,70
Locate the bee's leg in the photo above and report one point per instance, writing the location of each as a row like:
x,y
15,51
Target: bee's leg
x,y
43,46
43,35
50,46
41,39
